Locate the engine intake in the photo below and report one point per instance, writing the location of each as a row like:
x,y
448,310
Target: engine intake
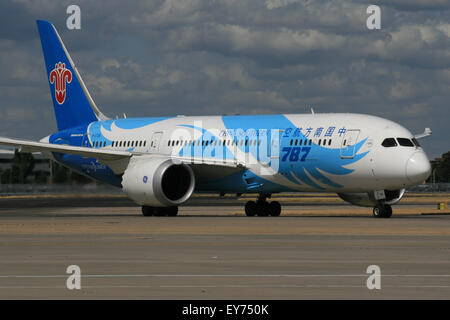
x,y
158,182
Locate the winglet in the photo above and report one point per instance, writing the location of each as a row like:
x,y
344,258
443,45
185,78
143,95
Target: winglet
x,y
427,132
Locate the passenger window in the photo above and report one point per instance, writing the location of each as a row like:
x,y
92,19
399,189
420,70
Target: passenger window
x,y
389,142
405,142
329,142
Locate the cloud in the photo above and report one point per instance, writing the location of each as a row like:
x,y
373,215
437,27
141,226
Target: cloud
x,y
198,57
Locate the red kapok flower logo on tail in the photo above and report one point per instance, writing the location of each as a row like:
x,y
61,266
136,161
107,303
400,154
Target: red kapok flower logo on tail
x,y
59,76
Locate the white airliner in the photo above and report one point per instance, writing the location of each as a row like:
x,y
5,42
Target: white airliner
x,y
160,162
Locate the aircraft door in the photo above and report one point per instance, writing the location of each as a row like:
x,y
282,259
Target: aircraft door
x,y
154,142
85,142
275,144
348,143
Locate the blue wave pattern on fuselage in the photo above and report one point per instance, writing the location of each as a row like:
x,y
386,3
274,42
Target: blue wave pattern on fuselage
x,y
320,158
135,123
125,124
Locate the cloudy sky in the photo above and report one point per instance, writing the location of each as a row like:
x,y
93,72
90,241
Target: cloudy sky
x,y
210,57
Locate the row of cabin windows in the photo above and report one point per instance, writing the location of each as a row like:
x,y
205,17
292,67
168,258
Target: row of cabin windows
x,y
172,143
129,143
99,144
404,142
308,142
205,143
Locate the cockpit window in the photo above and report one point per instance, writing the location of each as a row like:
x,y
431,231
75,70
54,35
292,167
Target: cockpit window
x,y
405,142
389,142
416,143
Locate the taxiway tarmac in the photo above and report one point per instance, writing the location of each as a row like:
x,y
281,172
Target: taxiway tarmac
x,y
215,252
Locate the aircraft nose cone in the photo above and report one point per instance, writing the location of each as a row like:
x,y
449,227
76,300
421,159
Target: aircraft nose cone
x,y
418,168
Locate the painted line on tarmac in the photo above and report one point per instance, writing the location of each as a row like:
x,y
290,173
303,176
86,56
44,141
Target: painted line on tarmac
x,y
224,275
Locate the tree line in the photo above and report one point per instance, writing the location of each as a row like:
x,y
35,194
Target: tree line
x,y
22,172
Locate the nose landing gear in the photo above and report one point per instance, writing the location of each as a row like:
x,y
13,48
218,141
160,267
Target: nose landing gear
x,y
382,211
262,207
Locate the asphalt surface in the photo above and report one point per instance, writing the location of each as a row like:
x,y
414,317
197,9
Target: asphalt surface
x,y
212,251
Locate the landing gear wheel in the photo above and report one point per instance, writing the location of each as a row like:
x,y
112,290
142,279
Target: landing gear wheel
x,y
263,208
250,208
382,211
275,208
172,211
147,211
388,211
166,211
377,211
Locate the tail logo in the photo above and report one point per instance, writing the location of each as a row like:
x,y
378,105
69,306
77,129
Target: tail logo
x,y
59,76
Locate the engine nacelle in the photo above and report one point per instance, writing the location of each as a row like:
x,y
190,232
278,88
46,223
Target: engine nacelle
x,y
367,199
158,182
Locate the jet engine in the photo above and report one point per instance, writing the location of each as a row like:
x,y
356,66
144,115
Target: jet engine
x,y
158,182
367,199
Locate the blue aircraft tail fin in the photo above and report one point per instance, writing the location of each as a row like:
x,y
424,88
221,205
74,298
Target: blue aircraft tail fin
x,y
71,100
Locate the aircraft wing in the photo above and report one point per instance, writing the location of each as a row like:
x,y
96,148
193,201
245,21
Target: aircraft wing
x,y
34,146
118,160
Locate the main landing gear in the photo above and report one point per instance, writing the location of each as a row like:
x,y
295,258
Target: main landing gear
x,y
148,211
262,208
382,211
